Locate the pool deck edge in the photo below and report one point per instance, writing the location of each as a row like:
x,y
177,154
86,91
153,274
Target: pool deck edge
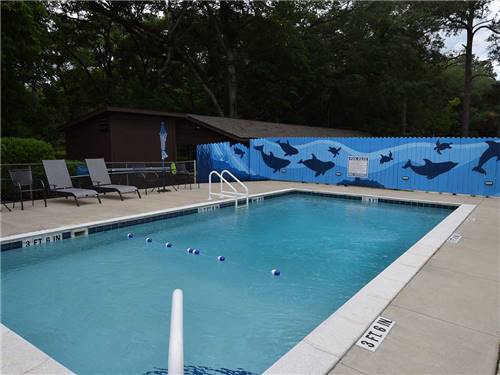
x,y
21,357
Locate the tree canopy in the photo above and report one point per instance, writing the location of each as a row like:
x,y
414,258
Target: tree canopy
x,y
373,66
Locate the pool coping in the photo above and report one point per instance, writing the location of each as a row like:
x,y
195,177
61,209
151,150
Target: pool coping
x,y
320,350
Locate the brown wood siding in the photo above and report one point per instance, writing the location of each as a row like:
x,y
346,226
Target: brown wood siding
x,y
190,133
135,137
90,139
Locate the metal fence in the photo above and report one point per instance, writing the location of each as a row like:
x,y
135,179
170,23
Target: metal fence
x,y
145,175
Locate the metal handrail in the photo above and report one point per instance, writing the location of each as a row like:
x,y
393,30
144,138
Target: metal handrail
x,y
176,341
224,193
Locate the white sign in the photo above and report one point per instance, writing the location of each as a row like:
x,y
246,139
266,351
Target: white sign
x,y
455,238
358,166
35,241
374,335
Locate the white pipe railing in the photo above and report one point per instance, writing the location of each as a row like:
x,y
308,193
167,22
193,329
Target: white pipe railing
x,y
234,193
176,342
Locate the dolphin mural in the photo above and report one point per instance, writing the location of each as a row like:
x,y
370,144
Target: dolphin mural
x,y
491,152
239,152
441,146
272,161
430,169
334,151
386,158
318,166
288,148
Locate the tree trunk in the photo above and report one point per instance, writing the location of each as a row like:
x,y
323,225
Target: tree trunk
x,y
404,124
468,72
226,40
232,86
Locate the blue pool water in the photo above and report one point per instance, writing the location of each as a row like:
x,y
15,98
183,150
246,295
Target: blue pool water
x,y
101,304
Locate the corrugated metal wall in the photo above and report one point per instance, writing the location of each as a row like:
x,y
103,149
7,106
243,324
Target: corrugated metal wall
x,y
453,165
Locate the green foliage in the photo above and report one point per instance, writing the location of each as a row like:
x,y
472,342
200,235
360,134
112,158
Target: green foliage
x,y
25,150
373,66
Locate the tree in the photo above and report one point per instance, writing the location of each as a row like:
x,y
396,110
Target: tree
x,y
470,17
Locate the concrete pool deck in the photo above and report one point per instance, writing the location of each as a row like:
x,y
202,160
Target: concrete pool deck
x,y
447,317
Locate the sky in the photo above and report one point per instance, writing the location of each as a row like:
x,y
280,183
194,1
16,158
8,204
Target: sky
x,y
480,46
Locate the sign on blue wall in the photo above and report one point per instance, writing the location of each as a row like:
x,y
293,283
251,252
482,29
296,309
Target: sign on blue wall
x,y
454,165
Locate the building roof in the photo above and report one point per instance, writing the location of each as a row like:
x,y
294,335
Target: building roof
x,y
238,129
249,129
134,111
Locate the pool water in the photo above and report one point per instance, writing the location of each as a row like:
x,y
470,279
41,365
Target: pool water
x,y
101,304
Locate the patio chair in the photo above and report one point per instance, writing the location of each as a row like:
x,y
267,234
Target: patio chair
x,y
102,182
60,181
22,179
149,177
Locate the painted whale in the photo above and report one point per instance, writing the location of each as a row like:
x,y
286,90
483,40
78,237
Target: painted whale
x,y
272,161
318,166
491,152
386,158
334,151
239,152
430,169
288,148
441,146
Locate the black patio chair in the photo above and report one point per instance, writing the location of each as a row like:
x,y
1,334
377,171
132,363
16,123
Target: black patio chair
x,y
22,179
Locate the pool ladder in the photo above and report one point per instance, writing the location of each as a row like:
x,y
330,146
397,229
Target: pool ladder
x,y
233,193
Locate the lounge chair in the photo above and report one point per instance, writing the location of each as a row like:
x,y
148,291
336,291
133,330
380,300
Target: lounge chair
x,y
102,182
60,181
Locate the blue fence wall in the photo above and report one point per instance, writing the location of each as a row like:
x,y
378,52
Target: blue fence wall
x,y
454,165
219,156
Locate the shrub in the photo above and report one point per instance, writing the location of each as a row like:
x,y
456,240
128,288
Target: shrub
x,y
25,150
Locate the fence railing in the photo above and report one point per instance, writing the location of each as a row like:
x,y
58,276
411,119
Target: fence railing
x,y
144,175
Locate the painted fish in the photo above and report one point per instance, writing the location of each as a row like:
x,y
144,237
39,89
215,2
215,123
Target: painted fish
x,y
239,152
334,151
430,169
272,161
386,158
491,152
318,166
288,148
441,146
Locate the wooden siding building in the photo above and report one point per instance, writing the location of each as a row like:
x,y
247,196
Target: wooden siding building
x,y
125,134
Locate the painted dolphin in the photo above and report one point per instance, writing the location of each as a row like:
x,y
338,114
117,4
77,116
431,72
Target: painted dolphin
x,y
318,166
239,152
334,151
288,148
492,151
272,161
430,169
386,158
441,146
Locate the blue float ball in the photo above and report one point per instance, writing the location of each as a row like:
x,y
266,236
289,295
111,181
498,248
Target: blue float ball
x,y
221,258
130,236
275,272
149,240
196,251
189,250
168,244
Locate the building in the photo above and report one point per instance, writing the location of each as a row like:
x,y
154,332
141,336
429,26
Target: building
x,y
126,134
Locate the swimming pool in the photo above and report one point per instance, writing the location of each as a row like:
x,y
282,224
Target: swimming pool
x,y
101,304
